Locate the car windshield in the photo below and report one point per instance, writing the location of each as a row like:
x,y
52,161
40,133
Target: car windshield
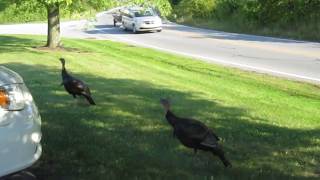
x,y
143,13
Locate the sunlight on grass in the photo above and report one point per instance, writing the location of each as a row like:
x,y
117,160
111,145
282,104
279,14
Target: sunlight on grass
x,y
269,126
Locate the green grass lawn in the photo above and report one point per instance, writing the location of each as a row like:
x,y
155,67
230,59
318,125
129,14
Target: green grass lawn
x,y
269,126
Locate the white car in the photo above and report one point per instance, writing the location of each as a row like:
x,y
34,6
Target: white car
x,y
20,124
141,19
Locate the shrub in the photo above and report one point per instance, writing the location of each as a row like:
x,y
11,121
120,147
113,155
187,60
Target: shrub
x,y
195,8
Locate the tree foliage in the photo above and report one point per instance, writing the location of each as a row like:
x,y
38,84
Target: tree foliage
x,y
12,11
80,5
290,18
195,8
35,10
21,11
163,6
259,11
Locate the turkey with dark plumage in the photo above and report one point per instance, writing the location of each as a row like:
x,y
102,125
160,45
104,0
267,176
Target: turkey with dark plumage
x,y
194,134
75,86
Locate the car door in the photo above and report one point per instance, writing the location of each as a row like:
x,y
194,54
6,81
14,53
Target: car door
x,y
125,19
130,21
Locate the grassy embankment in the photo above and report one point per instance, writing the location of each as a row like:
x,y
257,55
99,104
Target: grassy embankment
x,y
269,126
302,31
281,18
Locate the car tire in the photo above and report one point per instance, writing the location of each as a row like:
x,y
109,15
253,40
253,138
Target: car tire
x,y
159,30
124,27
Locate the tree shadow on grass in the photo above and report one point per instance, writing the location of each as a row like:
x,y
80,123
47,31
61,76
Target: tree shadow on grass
x,y
17,44
126,136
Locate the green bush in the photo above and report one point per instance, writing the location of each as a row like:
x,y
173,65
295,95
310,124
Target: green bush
x,y
22,11
195,8
18,11
279,17
261,11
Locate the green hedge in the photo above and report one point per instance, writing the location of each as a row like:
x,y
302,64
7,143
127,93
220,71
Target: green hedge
x,y
298,16
21,11
17,11
260,11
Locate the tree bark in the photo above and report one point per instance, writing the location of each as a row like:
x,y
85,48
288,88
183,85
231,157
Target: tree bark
x,y
53,38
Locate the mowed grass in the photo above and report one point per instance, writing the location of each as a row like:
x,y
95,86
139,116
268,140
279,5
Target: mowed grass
x,y
269,126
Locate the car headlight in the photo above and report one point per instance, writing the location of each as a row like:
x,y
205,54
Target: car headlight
x,y
12,97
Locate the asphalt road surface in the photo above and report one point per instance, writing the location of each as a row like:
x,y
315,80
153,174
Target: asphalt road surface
x,y
292,59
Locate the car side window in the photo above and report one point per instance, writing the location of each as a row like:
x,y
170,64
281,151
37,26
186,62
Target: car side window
x,y
148,13
125,14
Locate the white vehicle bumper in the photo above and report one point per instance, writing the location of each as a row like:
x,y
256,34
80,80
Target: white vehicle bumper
x,y
145,27
20,139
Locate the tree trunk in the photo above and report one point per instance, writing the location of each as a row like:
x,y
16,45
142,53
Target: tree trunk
x,y
53,38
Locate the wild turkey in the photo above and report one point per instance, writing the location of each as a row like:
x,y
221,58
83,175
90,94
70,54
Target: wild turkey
x,y
74,86
194,134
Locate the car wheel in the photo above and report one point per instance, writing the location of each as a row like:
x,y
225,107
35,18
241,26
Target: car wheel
x,y
159,30
124,27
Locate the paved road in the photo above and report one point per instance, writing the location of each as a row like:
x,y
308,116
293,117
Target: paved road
x,y
288,58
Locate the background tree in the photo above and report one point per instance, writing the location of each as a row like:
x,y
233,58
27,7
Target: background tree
x,y
19,11
53,11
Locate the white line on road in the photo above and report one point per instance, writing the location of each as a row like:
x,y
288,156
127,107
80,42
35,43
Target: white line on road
x,y
259,69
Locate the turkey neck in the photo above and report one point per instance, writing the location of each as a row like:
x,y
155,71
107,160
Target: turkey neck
x,y
64,72
172,119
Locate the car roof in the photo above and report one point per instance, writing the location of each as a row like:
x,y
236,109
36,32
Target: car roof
x,y
138,8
